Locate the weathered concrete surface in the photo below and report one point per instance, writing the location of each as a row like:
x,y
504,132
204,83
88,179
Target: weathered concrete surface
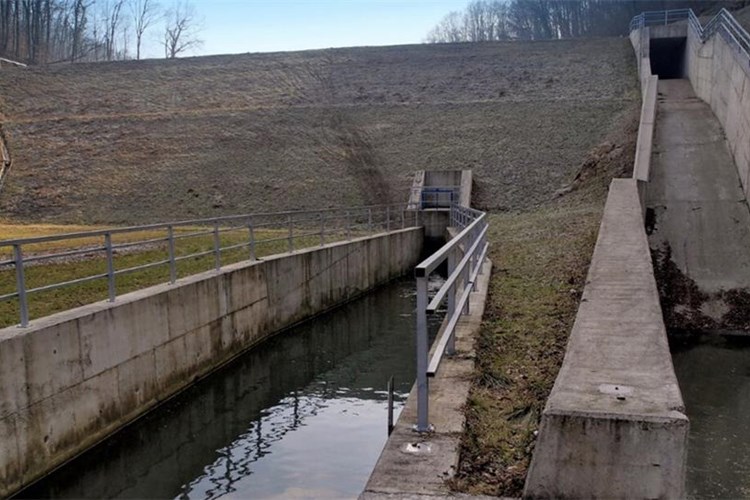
x,y
403,474
720,75
70,379
696,193
614,424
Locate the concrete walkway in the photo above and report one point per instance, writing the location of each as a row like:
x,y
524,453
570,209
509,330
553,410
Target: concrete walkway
x,y
696,194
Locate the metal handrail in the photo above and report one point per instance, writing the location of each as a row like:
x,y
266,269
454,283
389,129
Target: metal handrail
x,y
471,241
293,226
723,22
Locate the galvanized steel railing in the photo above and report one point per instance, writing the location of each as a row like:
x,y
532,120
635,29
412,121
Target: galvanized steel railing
x,y
284,228
465,254
430,197
722,23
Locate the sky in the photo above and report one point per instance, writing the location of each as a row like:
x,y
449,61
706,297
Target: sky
x,y
237,26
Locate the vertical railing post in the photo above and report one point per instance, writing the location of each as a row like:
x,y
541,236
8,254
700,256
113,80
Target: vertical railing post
x,y
172,262
217,247
290,237
403,219
423,394
21,286
251,235
387,218
451,347
110,266
369,220
348,226
322,229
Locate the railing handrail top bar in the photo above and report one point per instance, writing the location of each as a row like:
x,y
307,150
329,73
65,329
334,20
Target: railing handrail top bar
x,y
428,265
164,225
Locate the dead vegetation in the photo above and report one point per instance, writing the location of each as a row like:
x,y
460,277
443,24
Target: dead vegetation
x,y
144,141
541,258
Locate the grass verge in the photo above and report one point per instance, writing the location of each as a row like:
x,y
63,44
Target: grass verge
x,y
45,273
541,258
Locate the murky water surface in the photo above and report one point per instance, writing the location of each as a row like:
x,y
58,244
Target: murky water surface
x,y
304,415
714,376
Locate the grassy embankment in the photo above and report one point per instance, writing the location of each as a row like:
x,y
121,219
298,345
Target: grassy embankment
x,y
541,257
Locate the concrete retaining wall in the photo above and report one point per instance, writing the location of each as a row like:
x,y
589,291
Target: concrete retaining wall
x,y
73,378
614,424
720,75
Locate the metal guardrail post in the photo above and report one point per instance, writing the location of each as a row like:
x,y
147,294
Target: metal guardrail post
x,y
23,304
451,348
369,220
110,266
322,229
217,247
423,393
251,235
172,262
290,237
348,227
403,219
388,218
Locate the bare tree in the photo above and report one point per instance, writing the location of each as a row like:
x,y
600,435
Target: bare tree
x,y
181,30
112,19
145,13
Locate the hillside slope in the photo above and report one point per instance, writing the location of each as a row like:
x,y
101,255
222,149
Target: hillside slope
x,y
143,141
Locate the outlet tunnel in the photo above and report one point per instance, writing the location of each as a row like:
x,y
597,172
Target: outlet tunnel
x,y
668,57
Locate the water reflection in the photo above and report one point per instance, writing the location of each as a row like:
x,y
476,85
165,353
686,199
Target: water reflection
x,y
714,376
303,415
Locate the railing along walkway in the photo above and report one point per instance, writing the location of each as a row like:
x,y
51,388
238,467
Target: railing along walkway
x,y
214,242
722,23
465,254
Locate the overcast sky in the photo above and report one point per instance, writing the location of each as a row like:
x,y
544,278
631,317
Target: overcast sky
x,y
237,26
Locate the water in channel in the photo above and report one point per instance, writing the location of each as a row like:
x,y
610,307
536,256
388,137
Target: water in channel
x,y
714,376
302,415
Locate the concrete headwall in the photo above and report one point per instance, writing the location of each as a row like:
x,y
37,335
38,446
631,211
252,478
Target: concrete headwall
x,y
71,379
614,424
720,75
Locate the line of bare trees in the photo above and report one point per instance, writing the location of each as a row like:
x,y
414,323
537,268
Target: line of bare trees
x,y
492,20
49,31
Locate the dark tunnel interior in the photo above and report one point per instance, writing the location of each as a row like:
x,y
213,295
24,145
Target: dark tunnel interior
x,y
668,57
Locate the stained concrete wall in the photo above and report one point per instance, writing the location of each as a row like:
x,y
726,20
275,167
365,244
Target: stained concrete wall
x,y
73,378
614,424
720,75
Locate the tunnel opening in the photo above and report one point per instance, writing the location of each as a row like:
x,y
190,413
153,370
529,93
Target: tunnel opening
x,y
668,57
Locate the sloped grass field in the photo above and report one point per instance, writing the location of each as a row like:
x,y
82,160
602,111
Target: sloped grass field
x,y
135,142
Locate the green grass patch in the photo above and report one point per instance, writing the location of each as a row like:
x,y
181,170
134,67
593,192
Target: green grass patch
x,y
93,262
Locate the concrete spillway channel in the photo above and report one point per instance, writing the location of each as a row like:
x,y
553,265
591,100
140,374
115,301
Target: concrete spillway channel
x,y
305,412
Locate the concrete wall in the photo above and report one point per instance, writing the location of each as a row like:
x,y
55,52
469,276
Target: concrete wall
x,y
720,75
71,379
614,424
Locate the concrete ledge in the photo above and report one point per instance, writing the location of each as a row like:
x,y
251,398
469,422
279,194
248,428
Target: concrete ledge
x,y
71,379
403,474
614,424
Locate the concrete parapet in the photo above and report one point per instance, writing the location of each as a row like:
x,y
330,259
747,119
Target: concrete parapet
x,y
614,424
73,378
720,75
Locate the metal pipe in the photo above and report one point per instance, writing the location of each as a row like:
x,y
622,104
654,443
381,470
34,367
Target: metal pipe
x,y
217,247
251,234
322,229
172,263
21,285
423,393
110,266
291,234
